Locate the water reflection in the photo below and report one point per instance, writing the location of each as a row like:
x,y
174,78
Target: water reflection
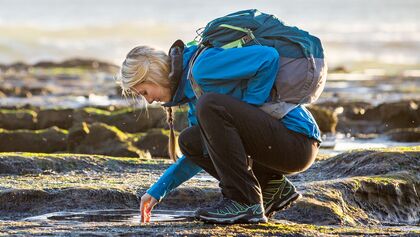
x,y
112,215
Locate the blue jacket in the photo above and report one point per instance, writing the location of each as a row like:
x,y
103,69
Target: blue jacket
x,y
246,73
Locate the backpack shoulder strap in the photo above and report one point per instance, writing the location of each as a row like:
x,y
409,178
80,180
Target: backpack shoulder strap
x,y
196,88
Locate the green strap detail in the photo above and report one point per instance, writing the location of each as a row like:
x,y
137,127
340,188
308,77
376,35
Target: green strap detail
x,y
191,43
235,28
240,42
234,44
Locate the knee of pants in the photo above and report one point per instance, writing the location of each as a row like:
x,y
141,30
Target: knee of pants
x,y
203,104
189,141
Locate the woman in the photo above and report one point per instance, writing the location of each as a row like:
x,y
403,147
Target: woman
x,y
228,136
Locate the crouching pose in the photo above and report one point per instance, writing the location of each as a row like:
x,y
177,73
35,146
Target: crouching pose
x,y
247,127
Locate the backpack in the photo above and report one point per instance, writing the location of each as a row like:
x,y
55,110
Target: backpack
x,y
302,67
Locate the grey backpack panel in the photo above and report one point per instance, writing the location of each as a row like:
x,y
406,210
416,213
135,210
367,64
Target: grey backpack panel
x,y
319,74
299,81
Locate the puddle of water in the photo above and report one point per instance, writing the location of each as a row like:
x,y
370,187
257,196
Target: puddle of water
x,y
341,143
204,178
111,215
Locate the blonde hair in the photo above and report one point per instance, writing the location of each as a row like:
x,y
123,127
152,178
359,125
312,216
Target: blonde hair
x,y
143,64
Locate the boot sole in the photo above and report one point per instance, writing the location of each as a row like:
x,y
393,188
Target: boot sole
x,y
271,210
232,220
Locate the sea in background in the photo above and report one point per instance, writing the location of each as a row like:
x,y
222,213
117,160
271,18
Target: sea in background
x,y
356,33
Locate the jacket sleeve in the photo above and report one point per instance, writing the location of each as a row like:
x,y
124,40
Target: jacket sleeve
x,y
258,65
182,170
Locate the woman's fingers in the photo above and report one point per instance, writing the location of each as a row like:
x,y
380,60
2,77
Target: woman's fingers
x,y
147,216
143,209
152,204
147,203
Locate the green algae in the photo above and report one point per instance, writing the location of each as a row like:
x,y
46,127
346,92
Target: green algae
x,y
38,131
92,110
18,111
122,136
399,149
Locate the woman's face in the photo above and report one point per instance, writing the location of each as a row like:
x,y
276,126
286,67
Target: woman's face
x,y
152,92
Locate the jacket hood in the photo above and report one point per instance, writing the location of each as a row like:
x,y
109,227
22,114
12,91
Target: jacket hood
x,y
176,53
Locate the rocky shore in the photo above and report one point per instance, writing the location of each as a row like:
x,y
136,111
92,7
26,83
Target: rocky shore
x,y
367,192
72,164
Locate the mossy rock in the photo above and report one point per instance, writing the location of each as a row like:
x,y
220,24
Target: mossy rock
x,y
62,118
366,163
41,201
401,114
127,120
349,109
12,163
102,139
87,64
360,187
17,119
45,140
155,141
325,118
357,200
405,134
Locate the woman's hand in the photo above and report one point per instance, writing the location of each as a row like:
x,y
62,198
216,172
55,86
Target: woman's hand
x,y
147,203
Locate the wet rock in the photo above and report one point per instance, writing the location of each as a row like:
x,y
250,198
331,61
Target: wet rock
x,y
346,125
39,163
155,142
360,187
17,119
325,118
17,66
62,118
46,140
389,200
402,114
44,201
361,117
22,200
365,163
187,227
100,138
405,134
349,109
312,211
357,200
127,120
364,187
91,64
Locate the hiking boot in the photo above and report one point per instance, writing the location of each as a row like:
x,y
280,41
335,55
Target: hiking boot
x,y
228,211
278,194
